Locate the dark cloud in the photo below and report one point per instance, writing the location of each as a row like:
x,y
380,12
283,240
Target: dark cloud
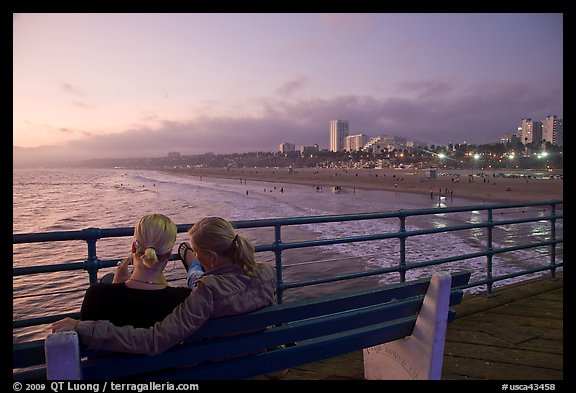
x,y
76,92
476,115
71,89
66,131
295,85
425,89
80,104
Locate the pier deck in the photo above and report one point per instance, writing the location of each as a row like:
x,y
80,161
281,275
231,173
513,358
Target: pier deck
x,y
514,334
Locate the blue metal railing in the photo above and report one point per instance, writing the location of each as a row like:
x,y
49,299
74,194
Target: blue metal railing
x,y
93,264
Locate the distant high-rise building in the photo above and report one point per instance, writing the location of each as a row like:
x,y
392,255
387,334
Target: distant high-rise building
x,y
338,131
355,142
530,131
510,138
379,144
309,150
286,147
553,130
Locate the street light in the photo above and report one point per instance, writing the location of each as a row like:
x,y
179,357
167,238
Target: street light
x,y
510,158
476,158
441,156
543,155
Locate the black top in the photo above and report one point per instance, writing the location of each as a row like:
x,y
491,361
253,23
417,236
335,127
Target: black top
x,y
127,306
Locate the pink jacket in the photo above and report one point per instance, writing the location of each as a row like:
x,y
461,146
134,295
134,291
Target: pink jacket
x,y
220,292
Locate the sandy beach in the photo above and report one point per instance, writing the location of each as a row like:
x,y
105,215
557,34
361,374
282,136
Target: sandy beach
x,y
482,185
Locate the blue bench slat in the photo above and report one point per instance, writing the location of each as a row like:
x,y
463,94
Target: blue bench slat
x,y
38,374
27,354
282,313
313,350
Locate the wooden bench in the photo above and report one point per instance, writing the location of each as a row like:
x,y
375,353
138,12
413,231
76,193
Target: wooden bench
x,y
400,327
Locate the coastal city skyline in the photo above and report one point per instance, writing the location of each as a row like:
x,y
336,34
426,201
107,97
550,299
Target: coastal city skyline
x,y
117,85
341,139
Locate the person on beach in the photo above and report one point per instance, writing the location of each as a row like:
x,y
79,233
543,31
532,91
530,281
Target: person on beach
x,y
234,283
143,297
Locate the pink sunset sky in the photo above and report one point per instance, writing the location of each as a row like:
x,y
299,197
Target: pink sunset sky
x,y
130,85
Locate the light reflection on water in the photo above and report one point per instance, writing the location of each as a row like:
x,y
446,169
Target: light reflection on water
x,y
68,199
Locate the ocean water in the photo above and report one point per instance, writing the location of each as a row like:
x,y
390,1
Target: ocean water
x,y
74,199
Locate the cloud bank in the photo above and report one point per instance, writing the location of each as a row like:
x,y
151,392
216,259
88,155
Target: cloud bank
x,y
433,113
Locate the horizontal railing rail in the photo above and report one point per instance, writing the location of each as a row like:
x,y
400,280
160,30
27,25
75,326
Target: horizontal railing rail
x,y
92,264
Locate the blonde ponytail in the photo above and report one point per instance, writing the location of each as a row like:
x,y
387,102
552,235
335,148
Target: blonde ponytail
x,y
155,236
150,258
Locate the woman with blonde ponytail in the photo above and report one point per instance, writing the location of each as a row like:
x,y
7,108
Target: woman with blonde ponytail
x,y
233,283
143,297
215,243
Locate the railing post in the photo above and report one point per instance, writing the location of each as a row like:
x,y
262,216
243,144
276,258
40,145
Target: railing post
x,y
489,249
402,238
552,247
91,264
278,260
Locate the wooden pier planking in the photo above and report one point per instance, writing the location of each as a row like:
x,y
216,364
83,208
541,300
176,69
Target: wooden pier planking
x,y
516,333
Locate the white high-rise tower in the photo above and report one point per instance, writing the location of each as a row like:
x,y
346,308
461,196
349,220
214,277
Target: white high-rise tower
x,y
553,130
338,131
